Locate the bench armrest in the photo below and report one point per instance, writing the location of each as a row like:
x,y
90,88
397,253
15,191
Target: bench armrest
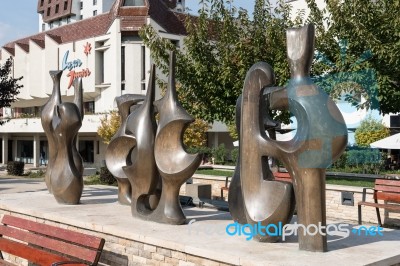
x,y
364,193
68,262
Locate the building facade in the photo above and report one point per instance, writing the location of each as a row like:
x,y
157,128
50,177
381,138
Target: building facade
x,y
105,50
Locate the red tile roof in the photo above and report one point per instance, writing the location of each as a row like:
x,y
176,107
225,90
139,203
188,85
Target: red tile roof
x,y
132,19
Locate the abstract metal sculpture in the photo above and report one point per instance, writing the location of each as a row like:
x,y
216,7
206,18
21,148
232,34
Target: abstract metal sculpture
x,y
61,123
173,162
142,152
120,147
320,139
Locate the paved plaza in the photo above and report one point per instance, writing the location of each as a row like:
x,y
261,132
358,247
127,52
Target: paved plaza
x,y
99,211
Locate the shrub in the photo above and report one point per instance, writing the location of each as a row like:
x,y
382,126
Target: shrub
x,y
106,176
235,154
15,168
219,154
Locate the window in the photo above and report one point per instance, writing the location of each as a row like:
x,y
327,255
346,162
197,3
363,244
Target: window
x,y
122,86
65,5
94,12
43,27
88,107
81,5
57,7
81,17
143,86
143,62
134,3
94,2
41,2
49,1
48,11
68,19
51,25
86,150
123,64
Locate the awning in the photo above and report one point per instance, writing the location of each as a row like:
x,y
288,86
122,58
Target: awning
x,y
392,143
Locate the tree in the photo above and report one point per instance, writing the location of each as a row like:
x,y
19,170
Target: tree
x,y
9,87
220,46
370,130
194,136
359,51
109,125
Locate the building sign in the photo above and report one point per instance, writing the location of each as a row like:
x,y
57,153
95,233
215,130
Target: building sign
x,y
72,65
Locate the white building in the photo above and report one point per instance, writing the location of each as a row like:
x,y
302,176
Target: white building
x,y
105,49
55,13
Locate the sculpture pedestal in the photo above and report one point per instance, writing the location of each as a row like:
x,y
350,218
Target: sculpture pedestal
x,y
198,192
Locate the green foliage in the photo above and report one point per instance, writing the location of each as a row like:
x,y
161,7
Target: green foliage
x,y
235,154
233,131
214,172
109,125
9,87
358,51
15,168
219,153
363,156
221,45
196,134
360,160
370,130
36,174
341,162
106,176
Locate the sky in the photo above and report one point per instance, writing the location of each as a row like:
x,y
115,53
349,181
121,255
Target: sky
x,y
19,18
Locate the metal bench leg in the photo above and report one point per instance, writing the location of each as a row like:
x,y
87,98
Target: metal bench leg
x,y
222,194
378,214
359,214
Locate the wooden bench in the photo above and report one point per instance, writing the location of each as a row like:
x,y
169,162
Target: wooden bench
x,y
225,188
282,176
386,190
45,244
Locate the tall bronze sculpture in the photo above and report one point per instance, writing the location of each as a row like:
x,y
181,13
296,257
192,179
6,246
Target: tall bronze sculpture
x,y
141,169
47,115
121,146
61,123
320,139
153,157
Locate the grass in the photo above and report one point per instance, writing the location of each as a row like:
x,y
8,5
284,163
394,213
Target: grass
x,y
214,172
95,180
35,174
329,180
349,182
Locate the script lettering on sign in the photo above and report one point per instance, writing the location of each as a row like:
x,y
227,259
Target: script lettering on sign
x,y
71,66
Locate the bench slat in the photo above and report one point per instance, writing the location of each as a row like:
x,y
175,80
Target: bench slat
x,y
32,254
388,196
387,188
53,231
388,182
51,244
381,205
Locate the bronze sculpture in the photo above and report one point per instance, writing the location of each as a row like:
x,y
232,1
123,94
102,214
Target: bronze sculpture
x,y
173,162
153,157
61,123
320,139
141,167
121,146
46,118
